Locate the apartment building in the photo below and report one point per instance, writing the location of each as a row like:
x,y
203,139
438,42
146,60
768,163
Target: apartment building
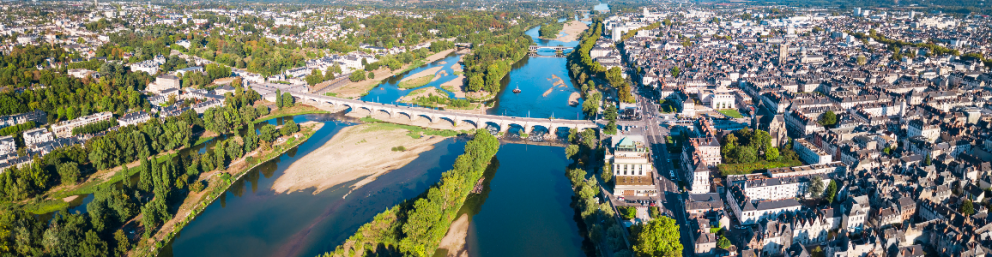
x,y
64,129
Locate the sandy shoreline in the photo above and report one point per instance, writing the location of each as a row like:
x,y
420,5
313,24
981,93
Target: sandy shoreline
x,y
455,86
572,29
455,240
355,152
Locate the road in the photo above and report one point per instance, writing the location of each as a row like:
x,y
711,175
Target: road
x,y
650,126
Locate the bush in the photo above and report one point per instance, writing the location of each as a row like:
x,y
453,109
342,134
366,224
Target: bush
x,y
627,212
399,148
197,186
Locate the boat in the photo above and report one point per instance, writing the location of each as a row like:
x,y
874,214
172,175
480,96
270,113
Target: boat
x,y
516,90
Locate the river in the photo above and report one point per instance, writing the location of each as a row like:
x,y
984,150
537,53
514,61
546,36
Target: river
x,y
524,210
252,220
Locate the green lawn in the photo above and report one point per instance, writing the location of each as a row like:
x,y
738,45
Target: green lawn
x,y
731,113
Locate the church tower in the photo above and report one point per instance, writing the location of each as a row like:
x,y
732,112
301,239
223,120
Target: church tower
x,y
783,53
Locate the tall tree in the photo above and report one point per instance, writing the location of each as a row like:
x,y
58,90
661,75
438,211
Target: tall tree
x,y
831,191
658,237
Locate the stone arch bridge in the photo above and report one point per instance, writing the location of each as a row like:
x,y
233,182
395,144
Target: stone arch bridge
x,y
478,120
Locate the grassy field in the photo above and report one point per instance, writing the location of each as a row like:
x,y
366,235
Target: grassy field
x,y
416,82
731,113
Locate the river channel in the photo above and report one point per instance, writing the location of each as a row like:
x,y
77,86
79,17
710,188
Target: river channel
x,y
523,211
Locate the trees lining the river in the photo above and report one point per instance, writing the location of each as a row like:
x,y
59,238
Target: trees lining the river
x,y
163,181
416,227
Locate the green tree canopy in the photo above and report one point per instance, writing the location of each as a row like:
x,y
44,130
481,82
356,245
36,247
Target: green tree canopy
x,y
658,237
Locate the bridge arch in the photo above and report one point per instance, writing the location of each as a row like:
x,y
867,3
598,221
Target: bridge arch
x,y
470,121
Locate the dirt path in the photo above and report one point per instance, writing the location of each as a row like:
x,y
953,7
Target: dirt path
x,y
454,240
355,152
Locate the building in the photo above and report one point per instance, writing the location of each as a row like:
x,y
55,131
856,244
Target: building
x,y
133,118
750,211
164,82
64,129
7,145
811,154
37,136
38,116
631,166
920,128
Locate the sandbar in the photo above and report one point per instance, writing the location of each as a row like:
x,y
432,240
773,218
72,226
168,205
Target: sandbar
x,y
571,31
573,99
422,73
358,152
454,240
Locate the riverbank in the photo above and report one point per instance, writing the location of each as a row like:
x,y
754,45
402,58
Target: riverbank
x,y
218,181
363,152
455,240
357,89
571,31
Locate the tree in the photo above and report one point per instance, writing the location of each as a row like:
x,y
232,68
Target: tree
x,y
357,76
278,99
69,172
815,186
831,191
371,75
287,100
314,77
927,161
123,245
675,71
828,119
747,154
571,151
289,128
723,243
93,246
475,83
967,208
771,154
262,110
659,237
268,133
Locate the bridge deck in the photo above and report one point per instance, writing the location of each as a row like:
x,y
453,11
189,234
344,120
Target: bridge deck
x,y
478,118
